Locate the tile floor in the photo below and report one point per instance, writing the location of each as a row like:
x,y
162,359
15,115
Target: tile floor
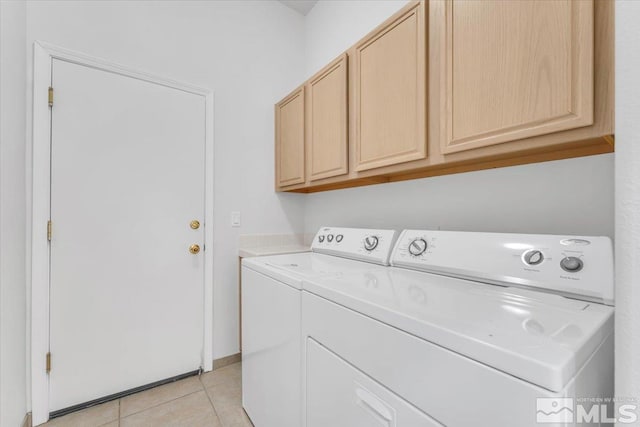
x,y
213,399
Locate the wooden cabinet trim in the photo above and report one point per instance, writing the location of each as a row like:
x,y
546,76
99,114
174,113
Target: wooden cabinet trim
x,y
580,79
415,9
339,65
300,178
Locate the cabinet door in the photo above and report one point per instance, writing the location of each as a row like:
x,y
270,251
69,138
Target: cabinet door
x,y
290,139
327,126
390,92
516,69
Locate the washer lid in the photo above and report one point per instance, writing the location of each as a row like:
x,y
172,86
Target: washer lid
x,y
541,338
293,268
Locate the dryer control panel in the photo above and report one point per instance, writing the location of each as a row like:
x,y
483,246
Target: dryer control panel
x,y
574,266
364,244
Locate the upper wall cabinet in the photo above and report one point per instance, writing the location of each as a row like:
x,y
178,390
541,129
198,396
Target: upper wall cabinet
x,y
290,139
505,83
390,92
516,69
327,116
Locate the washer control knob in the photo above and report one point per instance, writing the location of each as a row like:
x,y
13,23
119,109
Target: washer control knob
x,y
417,247
321,238
533,257
330,238
571,264
370,243
339,238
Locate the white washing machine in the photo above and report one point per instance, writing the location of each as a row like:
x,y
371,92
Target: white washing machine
x,y
271,316
466,329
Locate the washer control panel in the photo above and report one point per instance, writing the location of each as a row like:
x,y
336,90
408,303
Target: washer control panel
x,y
371,242
571,264
578,267
372,245
533,257
418,246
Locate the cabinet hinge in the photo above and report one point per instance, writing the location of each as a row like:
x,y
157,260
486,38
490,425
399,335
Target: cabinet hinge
x,y
48,362
50,96
49,230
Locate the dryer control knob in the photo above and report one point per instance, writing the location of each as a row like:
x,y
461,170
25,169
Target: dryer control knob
x,y
370,243
330,238
321,238
417,246
533,257
571,264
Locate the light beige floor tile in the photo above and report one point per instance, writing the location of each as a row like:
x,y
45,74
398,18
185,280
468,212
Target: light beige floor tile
x,y
232,415
222,375
147,399
193,410
227,401
91,417
226,393
115,423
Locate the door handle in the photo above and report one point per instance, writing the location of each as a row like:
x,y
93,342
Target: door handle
x,y
194,249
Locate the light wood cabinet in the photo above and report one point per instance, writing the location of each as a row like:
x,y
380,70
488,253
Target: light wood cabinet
x,y
390,92
289,125
327,117
516,69
451,86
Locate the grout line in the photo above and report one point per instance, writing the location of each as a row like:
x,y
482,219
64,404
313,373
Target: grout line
x,y
213,406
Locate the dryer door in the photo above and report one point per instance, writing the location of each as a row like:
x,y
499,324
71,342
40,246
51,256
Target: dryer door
x,y
340,395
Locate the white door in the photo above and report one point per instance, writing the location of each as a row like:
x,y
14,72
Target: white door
x,y
127,179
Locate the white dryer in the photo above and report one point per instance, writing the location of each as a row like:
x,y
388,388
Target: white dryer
x,y
466,329
271,316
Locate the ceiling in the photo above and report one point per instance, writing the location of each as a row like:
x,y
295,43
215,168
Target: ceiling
x,y
300,6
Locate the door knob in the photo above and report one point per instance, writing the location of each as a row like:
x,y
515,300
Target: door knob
x,y
195,224
194,249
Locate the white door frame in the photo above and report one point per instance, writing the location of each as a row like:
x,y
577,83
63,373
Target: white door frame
x,y
39,205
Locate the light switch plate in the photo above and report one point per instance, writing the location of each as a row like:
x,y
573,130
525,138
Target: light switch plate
x,y
235,219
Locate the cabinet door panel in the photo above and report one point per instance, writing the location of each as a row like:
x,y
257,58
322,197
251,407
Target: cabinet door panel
x,y
516,69
390,92
328,121
290,140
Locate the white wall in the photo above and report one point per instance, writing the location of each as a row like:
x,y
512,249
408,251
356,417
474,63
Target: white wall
x,y
562,197
333,26
249,53
627,177
567,197
13,400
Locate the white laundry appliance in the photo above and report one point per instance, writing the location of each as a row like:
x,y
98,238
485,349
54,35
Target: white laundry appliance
x,y
466,329
271,316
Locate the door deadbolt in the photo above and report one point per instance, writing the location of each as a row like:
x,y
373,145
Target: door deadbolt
x,y
195,224
194,249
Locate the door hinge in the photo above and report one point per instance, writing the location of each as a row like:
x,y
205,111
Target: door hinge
x,y
48,363
49,230
50,96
